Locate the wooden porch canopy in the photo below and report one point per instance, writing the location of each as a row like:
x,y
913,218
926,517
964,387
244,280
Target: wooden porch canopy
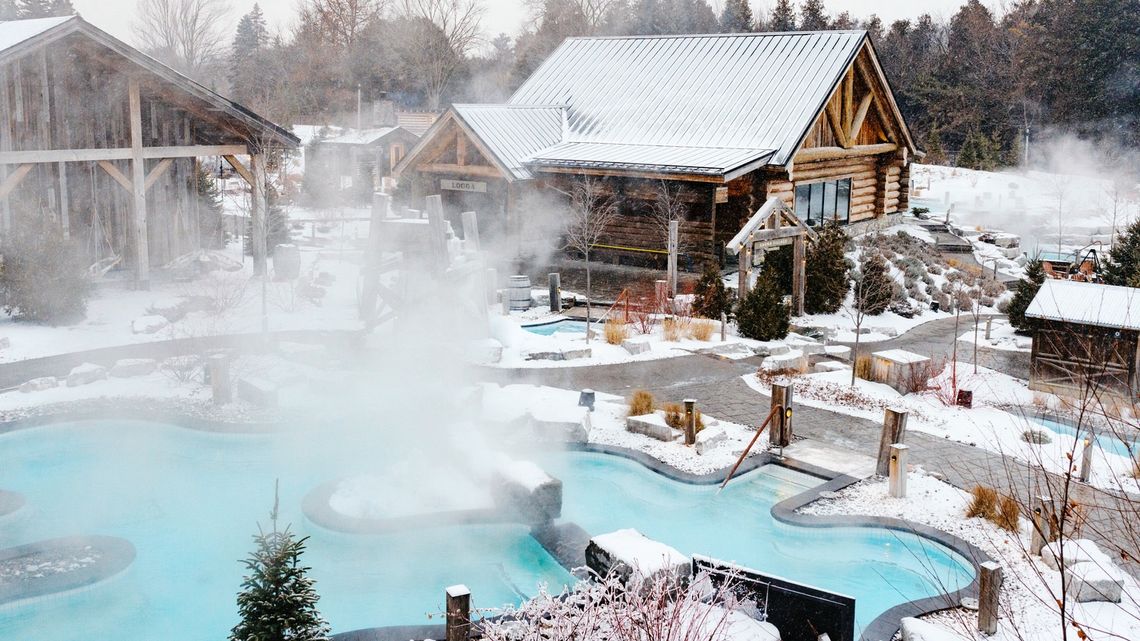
x,y
774,225
31,54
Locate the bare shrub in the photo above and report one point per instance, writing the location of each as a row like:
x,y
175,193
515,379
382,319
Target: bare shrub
x,y
984,503
615,331
675,416
701,330
641,403
673,329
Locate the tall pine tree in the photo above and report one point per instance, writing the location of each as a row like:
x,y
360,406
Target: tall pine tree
x,y
1123,266
1023,295
737,17
783,16
278,600
251,36
813,16
44,8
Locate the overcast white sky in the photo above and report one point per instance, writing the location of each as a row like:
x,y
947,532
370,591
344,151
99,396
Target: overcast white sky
x,y
503,16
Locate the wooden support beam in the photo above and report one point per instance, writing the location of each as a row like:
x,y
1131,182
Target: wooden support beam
x,y
157,172
13,180
820,153
860,116
484,171
836,127
138,181
799,272
848,100
116,175
116,153
241,169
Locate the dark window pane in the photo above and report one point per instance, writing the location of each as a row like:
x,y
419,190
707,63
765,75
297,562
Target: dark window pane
x,y
816,201
843,200
803,194
828,200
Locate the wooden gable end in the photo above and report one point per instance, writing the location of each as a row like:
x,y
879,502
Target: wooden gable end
x,y
452,149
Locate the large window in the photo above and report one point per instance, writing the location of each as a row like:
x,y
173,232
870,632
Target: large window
x,y
819,202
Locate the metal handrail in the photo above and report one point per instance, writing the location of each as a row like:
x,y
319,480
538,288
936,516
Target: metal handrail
x,y
744,454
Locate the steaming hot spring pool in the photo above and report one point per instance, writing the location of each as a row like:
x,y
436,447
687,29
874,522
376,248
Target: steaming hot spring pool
x,y
189,501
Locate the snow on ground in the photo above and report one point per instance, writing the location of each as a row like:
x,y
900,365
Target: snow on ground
x,y
1028,606
1003,412
1003,336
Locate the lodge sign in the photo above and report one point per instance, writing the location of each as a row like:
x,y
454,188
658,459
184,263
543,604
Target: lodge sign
x,y
463,185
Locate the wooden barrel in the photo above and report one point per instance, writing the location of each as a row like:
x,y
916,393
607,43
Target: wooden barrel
x,y
518,290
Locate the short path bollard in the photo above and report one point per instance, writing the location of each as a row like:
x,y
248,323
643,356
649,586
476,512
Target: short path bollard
x,y
458,613
780,430
894,431
989,326
723,326
220,382
586,399
990,589
1086,460
690,421
1044,525
555,283
898,471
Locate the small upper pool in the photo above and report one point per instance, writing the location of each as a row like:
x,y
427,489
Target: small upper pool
x,y
1106,442
189,502
564,325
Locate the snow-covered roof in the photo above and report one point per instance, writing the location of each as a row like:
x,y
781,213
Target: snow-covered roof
x,y
513,132
360,137
754,93
14,32
1087,304
715,161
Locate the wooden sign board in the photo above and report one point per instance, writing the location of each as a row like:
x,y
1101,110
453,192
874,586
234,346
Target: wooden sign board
x,y
463,185
721,195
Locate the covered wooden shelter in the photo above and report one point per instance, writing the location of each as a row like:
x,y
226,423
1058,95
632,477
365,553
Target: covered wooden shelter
x,y
724,121
100,141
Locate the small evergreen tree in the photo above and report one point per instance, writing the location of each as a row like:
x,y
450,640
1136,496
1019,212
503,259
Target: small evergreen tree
x,y
711,296
1023,295
935,155
762,314
876,286
278,600
211,219
276,224
43,277
826,272
1123,264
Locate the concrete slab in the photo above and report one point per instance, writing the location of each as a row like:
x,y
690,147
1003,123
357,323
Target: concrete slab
x,y
831,457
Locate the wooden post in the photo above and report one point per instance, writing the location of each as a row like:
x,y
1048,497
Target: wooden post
x,y
371,288
1086,459
1043,527
555,285
220,382
434,207
258,211
743,265
661,292
799,275
458,613
988,598
989,326
723,326
894,431
674,248
897,483
470,231
780,431
690,421
138,189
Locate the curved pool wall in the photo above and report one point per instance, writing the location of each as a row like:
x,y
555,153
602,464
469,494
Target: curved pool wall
x,y
216,486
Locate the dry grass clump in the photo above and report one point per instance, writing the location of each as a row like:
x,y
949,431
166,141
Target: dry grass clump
x,y
863,367
641,403
701,330
672,328
1136,469
984,503
615,331
1008,515
675,416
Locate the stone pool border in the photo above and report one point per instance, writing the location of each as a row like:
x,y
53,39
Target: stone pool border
x,y
178,415
116,555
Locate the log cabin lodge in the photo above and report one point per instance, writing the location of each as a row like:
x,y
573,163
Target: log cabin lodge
x,y
99,142
725,121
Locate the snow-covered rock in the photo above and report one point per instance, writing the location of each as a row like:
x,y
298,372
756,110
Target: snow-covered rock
x,y
794,360
566,424
630,553
635,346
86,374
526,489
575,354
39,384
829,366
1075,551
839,351
149,324
257,391
130,367
918,630
1093,581
651,425
709,438
811,349
484,351
171,308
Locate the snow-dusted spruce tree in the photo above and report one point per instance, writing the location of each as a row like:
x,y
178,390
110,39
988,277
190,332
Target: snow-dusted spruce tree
x,y
591,211
278,600
1123,266
762,314
711,298
1026,289
826,272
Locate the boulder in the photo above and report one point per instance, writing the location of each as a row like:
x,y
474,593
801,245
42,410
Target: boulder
x,y
86,374
811,349
576,354
794,361
484,351
524,489
561,424
629,553
257,391
149,324
1075,551
1095,581
651,425
839,351
130,367
39,384
635,346
829,366
544,356
918,630
709,438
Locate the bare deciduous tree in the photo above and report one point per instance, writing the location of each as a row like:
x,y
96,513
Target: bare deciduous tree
x,y
187,35
458,23
591,211
344,19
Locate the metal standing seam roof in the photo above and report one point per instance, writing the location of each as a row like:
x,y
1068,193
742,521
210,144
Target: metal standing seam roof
x,y
1087,304
754,93
14,32
691,160
513,132
361,137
